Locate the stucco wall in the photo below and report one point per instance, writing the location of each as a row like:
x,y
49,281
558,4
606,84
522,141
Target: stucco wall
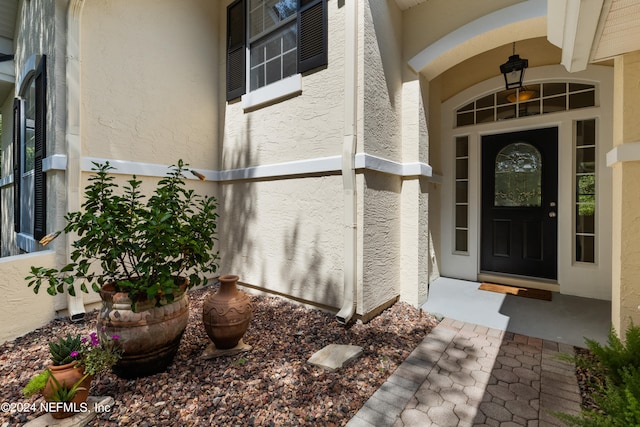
x,y
285,236
21,310
382,87
626,203
381,239
306,126
150,80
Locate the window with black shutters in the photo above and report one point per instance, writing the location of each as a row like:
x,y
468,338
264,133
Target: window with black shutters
x,y
270,40
29,143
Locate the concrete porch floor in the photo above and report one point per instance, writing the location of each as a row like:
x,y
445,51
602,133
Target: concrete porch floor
x,y
565,319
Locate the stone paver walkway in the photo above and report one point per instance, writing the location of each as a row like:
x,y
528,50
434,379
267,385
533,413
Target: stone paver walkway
x,y
468,375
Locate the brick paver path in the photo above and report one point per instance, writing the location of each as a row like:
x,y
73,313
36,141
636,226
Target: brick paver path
x,y
469,375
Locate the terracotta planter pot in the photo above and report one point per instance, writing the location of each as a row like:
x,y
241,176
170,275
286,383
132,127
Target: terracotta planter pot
x,y
149,337
226,313
68,375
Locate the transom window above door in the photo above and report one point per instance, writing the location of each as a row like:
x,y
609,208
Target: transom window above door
x,y
530,100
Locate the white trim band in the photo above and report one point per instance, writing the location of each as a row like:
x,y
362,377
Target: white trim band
x,y
330,164
56,162
628,152
367,161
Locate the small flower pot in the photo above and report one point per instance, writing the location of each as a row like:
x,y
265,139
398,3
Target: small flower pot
x,y
68,375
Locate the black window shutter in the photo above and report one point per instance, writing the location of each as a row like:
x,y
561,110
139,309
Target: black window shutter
x,y
18,126
312,34
236,49
40,187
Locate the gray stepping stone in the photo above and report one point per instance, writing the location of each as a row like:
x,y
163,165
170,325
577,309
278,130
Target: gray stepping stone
x,y
335,356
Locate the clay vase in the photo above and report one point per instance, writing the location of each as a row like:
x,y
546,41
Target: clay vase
x,y
68,375
226,313
149,336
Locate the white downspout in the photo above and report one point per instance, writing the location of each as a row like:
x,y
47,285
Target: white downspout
x,y
75,305
348,163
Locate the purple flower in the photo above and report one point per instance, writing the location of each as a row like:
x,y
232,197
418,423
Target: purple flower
x,y
94,339
83,339
74,354
115,337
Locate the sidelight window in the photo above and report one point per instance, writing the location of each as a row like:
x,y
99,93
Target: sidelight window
x,y
585,188
462,194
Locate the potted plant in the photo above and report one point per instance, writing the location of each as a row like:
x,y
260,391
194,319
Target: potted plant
x,y
75,361
141,253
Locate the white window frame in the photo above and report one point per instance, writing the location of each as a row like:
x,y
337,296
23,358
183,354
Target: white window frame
x,y
283,88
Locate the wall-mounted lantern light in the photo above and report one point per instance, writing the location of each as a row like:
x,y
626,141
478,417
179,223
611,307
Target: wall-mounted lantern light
x,y
513,70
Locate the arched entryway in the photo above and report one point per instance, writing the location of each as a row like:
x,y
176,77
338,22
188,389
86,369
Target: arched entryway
x,y
560,241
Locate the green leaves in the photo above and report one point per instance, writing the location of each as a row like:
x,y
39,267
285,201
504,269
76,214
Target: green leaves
x,y
61,350
140,243
618,394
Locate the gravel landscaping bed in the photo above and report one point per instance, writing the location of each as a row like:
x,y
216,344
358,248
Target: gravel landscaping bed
x,y
271,385
589,380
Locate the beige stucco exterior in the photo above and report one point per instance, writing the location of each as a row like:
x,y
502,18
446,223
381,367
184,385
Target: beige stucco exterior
x,y
626,203
149,75
142,84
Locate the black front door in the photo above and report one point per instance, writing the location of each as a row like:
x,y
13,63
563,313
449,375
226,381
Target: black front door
x,y
519,203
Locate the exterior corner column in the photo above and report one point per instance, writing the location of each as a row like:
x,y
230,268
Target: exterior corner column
x,y
625,280
414,249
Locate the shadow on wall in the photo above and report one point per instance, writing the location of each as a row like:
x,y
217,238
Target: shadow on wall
x,y
296,267
237,214
300,276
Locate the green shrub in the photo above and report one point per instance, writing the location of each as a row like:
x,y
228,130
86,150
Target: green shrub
x,y
617,355
618,395
619,404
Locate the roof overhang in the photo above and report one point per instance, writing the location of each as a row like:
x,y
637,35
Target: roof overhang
x,y
572,26
591,31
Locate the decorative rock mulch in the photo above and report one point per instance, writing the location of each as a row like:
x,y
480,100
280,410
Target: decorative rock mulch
x,y
271,385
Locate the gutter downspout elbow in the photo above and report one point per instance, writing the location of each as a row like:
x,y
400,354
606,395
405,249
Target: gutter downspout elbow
x,y
348,165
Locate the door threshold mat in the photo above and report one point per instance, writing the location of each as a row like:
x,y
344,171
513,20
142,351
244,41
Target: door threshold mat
x,y
540,294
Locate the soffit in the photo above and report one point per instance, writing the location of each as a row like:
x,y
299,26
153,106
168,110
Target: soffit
x,y
619,29
8,12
